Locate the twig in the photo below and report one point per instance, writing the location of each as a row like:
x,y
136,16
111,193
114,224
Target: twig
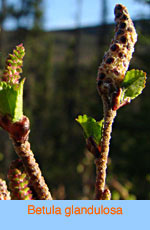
x,y
101,162
120,188
19,134
111,74
37,180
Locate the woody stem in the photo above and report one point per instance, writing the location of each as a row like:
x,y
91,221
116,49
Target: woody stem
x,y
101,162
37,180
19,135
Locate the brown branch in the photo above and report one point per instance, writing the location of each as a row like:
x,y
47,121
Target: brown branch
x,y
111,73
37,180
120,188
19,134
101,162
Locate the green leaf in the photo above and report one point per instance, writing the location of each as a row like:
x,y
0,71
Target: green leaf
x,y
91,127
11,100
133,84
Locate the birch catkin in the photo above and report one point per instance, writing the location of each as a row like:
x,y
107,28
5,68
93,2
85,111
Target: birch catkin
x,y
4,193
19,182
116,60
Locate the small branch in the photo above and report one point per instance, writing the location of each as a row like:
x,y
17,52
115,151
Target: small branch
x,y
19,134
120,188
37,180
101,162
111,74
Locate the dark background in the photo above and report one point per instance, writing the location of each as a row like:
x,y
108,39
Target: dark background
x,y
60,69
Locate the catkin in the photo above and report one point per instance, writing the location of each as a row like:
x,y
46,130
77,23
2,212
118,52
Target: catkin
x,y
4,193
19,182
116,60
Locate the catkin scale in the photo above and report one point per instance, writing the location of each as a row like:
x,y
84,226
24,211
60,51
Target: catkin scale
x,y
116,60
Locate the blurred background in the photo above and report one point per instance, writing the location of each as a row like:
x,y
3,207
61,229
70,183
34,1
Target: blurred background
x,y
64,47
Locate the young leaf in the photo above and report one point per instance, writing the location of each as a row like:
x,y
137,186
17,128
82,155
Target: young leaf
x,y
11,100
133,84
91,127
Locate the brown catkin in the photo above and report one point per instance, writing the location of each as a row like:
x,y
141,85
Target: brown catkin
x,y
116,60
4,193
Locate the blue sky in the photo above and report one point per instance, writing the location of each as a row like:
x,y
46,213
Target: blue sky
x,y
60,14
